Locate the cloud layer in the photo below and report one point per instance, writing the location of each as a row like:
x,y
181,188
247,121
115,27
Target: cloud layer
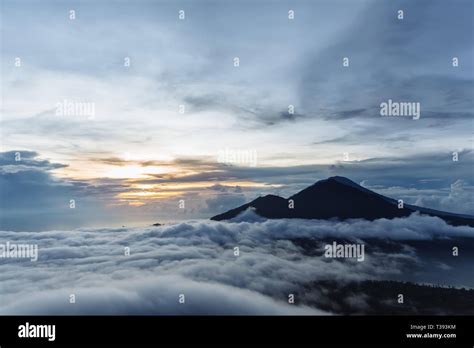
x,y
276,258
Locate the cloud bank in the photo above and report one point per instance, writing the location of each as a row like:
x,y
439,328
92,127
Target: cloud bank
x,y
197,259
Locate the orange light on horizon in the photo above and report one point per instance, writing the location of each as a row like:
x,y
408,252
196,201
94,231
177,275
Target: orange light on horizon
x,y
139,194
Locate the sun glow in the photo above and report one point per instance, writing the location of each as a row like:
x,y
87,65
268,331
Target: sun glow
x,y
142,183
197,185
140,194
134,172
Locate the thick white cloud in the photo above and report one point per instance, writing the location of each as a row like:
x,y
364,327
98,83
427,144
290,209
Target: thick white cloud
x,y
197,259
459,198
155,295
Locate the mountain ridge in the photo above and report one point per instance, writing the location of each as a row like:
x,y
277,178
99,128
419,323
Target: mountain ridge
x,y
341,198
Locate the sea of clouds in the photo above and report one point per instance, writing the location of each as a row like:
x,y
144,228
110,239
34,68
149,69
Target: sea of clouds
x,y
197,259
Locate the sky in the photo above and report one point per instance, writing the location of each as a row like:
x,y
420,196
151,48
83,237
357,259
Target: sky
x,y
131,111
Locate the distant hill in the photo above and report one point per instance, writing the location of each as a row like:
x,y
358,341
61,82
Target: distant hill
x,y
380,298
341,198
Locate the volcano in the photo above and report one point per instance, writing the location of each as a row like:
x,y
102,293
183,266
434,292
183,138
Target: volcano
x,y
338,198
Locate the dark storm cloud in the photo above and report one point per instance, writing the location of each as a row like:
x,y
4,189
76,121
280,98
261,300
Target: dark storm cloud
x,y
407,59
23,159
249,115
33,198
207,102
279,117
386,171
355,138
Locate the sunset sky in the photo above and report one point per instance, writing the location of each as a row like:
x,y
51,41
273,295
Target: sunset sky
x,y
160,123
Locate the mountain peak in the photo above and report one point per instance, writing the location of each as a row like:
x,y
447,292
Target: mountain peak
x,y
342,180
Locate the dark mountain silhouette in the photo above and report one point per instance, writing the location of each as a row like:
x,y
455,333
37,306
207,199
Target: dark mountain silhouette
x,y
340,198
